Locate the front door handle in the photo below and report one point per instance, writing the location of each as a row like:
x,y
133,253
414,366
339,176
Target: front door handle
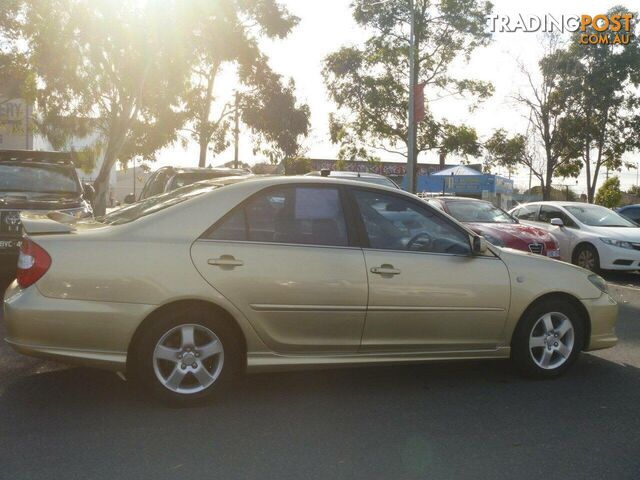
x,y
225,261
385,269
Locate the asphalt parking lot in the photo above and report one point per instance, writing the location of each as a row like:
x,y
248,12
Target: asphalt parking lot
x,y
439,421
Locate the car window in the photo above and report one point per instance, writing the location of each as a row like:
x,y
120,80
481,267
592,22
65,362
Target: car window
x,y
476,211
155,204
548,212
156,186
38,177
597,216
632,214
299,215
528,212
395,223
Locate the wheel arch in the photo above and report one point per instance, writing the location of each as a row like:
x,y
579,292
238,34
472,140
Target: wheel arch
x,y
562,296
582,243
183,304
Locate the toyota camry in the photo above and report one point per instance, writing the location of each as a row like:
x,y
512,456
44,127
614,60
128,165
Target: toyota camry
x,y
184,291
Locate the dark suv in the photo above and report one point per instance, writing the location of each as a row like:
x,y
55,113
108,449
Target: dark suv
x,y
167,179
36,181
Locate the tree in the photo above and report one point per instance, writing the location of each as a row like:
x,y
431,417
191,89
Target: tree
x,y
225,34
370,83
609,194
551,151
598,84
118,64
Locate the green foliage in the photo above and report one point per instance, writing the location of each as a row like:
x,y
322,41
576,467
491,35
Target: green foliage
x,y
297,166
226,34
597,88
609,194
634,190
369,83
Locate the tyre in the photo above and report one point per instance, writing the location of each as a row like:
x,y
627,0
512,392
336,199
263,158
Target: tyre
x,y
186,357
586,256
548,339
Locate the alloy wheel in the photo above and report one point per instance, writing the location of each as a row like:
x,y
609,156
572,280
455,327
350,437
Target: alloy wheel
x,y
188,359
551,340
586,259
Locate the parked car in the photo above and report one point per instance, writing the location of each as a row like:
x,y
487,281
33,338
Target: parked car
x,y
359,176
630,212
35,181
291,272
497,226
590,236
167,179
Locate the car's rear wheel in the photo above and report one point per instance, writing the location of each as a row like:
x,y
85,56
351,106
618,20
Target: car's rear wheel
x,y
548,339
586,256
185,357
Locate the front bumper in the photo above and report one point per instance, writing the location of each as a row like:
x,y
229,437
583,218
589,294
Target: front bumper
x,y
617,258
71,331
603,313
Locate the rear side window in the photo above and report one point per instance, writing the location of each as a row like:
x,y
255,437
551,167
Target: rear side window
x,y
529,212
297,215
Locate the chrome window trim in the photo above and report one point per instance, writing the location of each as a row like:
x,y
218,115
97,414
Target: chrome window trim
x,y
253,242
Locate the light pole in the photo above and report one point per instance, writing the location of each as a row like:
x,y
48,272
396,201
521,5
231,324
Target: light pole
x,y
411,140
411,159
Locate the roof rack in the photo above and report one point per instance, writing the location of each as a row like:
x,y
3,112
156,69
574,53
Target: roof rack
x,y
63,158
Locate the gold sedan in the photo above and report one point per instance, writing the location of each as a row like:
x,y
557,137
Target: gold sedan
x,y
184,291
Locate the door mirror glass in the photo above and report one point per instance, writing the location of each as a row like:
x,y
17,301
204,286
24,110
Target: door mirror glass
x,y
480,246
557,222
129,199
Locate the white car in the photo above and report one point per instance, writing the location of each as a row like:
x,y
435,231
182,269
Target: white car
x,y
590,236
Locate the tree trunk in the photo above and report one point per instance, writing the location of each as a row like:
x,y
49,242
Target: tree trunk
x,y
101,184
203,151
546,187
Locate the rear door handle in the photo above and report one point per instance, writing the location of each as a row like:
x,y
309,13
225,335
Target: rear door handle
x,y
225,261
385,270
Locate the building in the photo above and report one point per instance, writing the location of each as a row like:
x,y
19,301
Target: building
x,y
396,171
15,128
464,181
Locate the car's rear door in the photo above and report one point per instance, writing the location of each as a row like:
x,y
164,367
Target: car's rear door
x,y
426,291
285,258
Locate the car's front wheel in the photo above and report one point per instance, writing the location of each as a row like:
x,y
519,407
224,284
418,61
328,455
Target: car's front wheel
x,y
548,339
586,256
186,356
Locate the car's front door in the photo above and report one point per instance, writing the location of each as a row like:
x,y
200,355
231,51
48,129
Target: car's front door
x,y
284,258
427,292
565,235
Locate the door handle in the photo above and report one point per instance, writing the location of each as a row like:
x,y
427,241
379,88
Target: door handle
x,y
385,270
225,261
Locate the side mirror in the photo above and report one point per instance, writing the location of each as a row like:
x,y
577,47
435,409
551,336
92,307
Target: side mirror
x,y
129,199
88,192
557,222
479,245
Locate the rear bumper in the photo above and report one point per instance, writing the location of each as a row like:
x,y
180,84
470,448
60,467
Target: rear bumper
x,y
603,313
70,331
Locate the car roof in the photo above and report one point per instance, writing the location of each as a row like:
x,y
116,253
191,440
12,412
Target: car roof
x,y
38,156
346,174
458,199
203,169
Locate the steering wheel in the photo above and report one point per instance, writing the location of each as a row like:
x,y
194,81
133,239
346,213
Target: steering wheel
x,y
427,242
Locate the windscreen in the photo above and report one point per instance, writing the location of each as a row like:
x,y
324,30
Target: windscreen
x,y
481,212
156,203
38,177
597,216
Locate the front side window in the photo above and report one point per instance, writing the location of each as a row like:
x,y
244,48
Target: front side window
x,y
297,215
395,223
547,213
529,213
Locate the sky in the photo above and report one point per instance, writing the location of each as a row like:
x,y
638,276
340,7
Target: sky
x,y
327,25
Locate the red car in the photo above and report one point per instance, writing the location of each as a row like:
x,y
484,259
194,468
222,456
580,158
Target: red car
x,y
497,226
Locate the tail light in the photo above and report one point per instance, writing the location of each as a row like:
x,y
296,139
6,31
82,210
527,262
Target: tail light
x,y
33,263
